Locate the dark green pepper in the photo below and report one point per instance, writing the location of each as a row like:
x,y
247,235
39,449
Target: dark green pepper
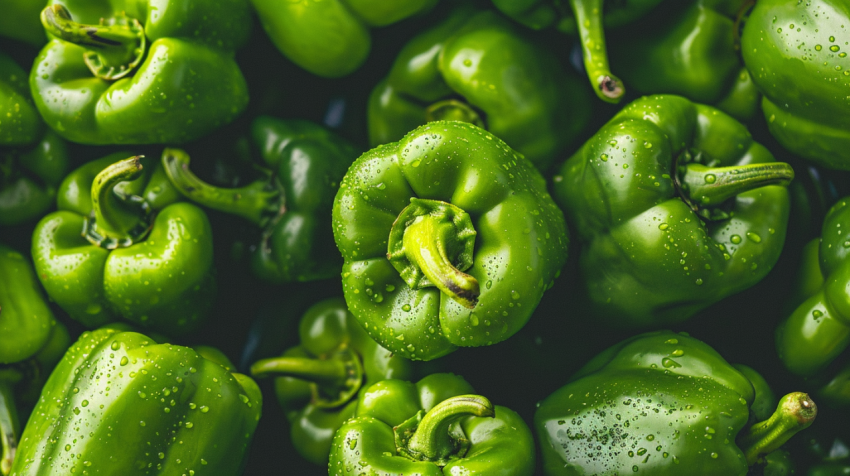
x,y
476,67
416,276
142,72
662,404
119,403
319,381
120,247
676,207
306,163
434,427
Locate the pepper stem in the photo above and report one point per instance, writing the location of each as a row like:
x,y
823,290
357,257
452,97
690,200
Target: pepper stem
x,y
8,428
795,412
453,110
114,48
710,186
119,220
258,202
588,14
432,439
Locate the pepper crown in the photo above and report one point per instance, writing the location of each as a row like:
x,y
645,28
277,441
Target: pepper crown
x,y
454,110
795,412
588,14
119,220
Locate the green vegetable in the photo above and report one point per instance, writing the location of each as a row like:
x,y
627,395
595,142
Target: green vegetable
x,y
305,165
476,67
121,72
676,208
20,21
659,404
449,239
318,382
131,406
431,428
126,250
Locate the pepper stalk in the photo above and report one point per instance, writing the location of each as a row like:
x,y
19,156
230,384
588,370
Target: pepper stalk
x,y
588,15
795,412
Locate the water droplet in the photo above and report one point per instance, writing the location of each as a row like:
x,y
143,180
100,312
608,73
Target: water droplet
x,y
204,409
669,363
753,237
818,47
663,226
514,295
84,403
834,48
710,178
189,424
735,239
115,345
817,314
124,361
406,308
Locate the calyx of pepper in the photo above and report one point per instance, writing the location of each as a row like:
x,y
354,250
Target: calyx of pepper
x,y
431,243
795,412
118,219
454,110
113,48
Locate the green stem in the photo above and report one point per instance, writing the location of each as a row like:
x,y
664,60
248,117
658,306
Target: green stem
x,y
453,110
8,428
257,202
119,220
709,186
795,412
432,438
591,31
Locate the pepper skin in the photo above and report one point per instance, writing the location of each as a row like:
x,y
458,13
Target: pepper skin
x,y
305,164
130,406
331,38
434,427
476,67
659,404
319,381
121,72
406,219
796,53
676,208
126,250
20,21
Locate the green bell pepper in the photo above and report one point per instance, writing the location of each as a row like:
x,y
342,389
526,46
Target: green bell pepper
x,y
476,67
660,404
331,38
143,72
588,19
20,21
406,219
318,382
434,427
305,164
676,208
130,406
121,248
31,342
799,64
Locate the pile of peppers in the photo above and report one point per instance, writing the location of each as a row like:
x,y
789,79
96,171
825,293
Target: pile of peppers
x,y
432,237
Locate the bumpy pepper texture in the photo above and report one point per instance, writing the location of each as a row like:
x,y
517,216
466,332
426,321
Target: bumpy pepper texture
x,y
676,207
449,239
122,72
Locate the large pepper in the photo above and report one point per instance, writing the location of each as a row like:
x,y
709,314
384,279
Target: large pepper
x,y
817,332
331,38
306,164
434,427
797,55
406,219
587,19
120,247
119,403
476,67
318,382
31,342
676,207
659,404
122,72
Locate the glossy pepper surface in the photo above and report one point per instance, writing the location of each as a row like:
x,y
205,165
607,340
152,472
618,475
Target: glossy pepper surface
x,y
331,38
676,207
291,204
796,52
318,382
122,247
477,67
119,403
433,427
659,404
142,72
449,239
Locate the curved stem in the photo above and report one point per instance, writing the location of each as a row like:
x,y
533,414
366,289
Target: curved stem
x,y
453,110
432,438
588,15
8,428
709,186
795,412
257,202
118,220
330,371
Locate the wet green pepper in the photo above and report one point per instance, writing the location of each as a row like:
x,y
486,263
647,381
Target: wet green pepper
x,y
676,208
121,248
662,404
319,381
449,239
476,67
